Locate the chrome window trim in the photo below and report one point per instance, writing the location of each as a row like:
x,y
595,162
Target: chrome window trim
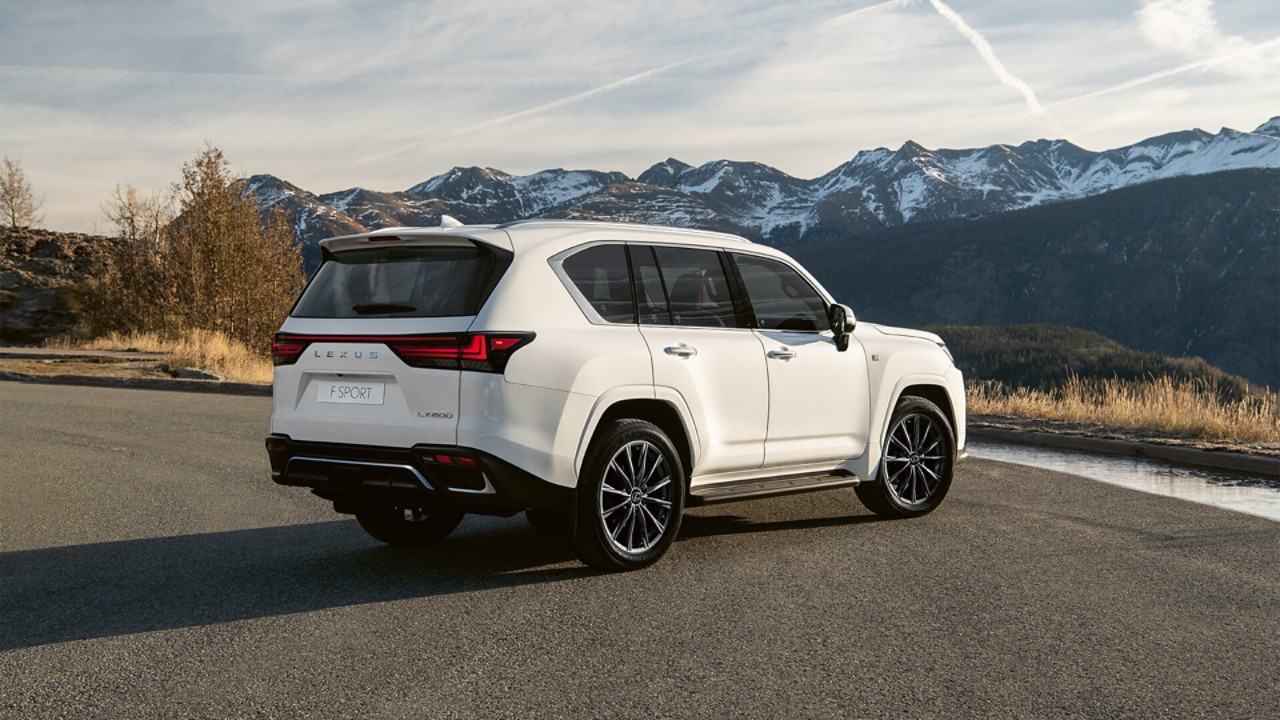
x,y
557,266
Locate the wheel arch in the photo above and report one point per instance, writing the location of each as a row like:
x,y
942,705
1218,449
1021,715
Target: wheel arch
x,y
935,388
663,413
934,393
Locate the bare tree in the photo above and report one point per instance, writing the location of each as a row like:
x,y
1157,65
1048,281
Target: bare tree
x,y
139,217
19,207
216,263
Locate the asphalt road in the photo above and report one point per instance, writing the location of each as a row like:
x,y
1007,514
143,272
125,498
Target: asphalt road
x,y
150,568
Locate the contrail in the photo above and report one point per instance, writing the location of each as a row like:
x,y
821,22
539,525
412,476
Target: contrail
x,y
849,16
989,56
553,105
609,87
1206,63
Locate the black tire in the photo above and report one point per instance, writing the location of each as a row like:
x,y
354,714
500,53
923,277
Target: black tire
x,y
917,462
556,524
628,516
409,527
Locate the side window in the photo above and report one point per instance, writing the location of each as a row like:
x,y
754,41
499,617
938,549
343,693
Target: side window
x,y
781,297
600,273
697,289
651,297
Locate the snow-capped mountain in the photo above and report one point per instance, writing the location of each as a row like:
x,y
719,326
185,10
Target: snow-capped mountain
x,y
875,189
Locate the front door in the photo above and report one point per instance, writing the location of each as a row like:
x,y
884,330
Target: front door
x,y
819,410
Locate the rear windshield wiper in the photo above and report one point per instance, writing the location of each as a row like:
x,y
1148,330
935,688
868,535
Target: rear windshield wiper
x,y
380,308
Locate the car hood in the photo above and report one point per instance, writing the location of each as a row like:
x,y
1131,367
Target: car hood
x,y
903,332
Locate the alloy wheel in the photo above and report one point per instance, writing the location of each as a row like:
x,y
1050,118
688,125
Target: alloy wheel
x,y
914,459
635,497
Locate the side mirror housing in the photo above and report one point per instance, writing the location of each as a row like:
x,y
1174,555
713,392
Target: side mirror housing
x,y
842,324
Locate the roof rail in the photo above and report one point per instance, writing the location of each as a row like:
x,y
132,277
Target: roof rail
x,y
635,226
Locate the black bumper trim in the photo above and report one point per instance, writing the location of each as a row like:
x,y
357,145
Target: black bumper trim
x,y
358,476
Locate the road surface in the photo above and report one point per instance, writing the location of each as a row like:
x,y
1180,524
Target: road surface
x,y
150,568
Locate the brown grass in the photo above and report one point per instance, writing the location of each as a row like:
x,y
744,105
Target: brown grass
x,y
1165,404
202,349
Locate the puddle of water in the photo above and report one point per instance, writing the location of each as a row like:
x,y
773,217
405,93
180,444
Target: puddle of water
x,y
1252,494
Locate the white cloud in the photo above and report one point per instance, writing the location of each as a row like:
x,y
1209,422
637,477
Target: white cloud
x,y
848,17
95,93
1189,28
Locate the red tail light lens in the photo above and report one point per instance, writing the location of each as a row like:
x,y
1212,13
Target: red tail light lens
x,y
285,349
480,352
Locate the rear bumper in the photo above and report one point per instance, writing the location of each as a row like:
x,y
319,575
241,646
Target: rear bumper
x,y
359,476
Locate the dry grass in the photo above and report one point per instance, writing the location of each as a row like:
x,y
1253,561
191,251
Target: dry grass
x,y
202,349
1182,407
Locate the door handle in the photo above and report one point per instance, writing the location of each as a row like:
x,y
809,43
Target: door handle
x,y
782,354
680,350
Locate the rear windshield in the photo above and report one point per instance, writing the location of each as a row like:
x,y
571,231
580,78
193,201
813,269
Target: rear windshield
x,y
413,281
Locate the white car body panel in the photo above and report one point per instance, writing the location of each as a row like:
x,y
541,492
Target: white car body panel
x,y
811,418
732,423
744,414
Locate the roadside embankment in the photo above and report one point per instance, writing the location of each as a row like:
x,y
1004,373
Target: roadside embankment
x,y
1255,458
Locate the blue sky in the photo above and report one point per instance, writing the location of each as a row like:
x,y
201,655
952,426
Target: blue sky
x,y
329,94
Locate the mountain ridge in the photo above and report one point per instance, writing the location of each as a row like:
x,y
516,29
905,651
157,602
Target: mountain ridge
x,y
877,188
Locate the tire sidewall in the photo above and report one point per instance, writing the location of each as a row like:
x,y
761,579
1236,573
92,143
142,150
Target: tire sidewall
x,y
913,406
592,477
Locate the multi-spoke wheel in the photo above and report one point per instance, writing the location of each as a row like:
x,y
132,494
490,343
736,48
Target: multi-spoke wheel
x,y
630,497
409,526
916,464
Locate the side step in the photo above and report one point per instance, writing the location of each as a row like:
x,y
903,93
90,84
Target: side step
x,y
789,485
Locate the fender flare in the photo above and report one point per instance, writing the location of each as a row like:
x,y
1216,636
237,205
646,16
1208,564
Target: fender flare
x,y
613,396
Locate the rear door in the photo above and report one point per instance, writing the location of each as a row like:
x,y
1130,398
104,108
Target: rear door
x,y
819,408
371,353
700,349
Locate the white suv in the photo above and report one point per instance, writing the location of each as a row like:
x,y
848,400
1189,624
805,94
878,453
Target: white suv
x,y
600,377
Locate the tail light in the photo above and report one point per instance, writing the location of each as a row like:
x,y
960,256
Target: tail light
x,y
285,349
481,352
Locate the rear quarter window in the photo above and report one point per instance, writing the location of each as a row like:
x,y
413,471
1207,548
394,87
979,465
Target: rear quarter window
x,y
603,278
404,281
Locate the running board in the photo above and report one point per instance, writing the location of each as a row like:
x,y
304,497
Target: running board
x,y
789,485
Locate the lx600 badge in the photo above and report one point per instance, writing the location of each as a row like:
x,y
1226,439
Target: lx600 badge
x,y
436,415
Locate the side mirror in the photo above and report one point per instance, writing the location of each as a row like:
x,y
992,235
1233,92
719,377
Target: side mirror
x,y
842,324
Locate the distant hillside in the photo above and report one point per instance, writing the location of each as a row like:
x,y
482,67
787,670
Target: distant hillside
x,y
1042,357
1185,267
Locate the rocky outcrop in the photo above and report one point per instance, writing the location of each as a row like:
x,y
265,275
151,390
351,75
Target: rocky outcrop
x,y
36,269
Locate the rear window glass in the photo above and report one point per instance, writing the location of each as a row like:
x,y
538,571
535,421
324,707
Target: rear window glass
x,y
412,281
697,289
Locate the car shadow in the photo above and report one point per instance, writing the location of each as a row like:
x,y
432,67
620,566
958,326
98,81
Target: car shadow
x,y
86,591
79,592
695,526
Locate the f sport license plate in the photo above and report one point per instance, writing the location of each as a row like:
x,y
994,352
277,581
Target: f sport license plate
x,y
350,393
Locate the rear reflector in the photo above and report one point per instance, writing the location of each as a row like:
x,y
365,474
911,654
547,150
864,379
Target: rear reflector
x,y
453,459
481,352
